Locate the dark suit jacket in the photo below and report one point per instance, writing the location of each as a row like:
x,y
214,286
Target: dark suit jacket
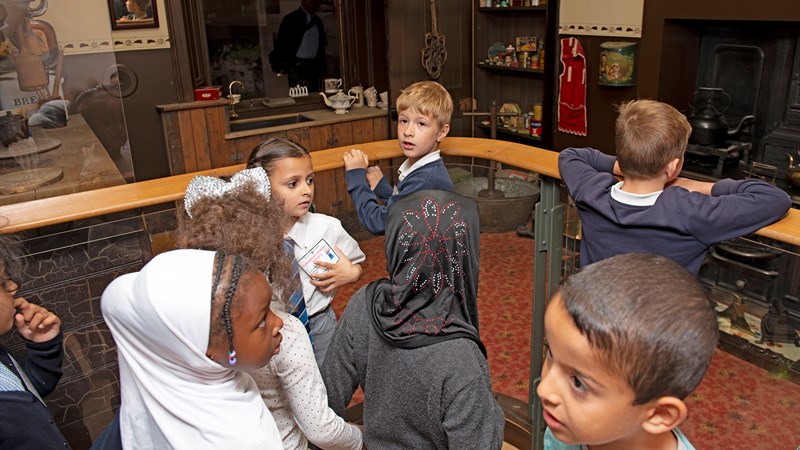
x,y
290,35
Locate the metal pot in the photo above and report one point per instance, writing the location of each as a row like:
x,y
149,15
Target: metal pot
x,y
793,171
708,128
13,127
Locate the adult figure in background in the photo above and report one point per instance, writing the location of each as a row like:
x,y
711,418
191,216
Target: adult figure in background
x,y
300,47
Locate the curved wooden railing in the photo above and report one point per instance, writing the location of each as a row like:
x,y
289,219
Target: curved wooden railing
x,y
65,208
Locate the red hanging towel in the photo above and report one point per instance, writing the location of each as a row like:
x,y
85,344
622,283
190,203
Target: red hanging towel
x,y
572,89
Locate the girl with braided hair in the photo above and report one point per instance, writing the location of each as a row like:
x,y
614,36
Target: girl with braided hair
x,y
237,215
186,326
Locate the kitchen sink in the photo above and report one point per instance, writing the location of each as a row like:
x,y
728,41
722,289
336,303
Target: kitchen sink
x,y
267,122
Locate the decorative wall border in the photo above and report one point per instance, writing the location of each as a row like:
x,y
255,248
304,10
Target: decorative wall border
x,y
139,41
116,42
83,46
601,29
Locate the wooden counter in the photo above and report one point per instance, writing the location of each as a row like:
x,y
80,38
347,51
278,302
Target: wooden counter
x,y
84,161
71,207
318,117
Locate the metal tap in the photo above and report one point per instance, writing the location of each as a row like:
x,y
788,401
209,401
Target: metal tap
x,y
233,99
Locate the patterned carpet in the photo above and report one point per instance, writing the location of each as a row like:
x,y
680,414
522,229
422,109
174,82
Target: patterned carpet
x,y
737,406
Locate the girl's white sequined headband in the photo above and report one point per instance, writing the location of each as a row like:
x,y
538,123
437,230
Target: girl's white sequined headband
x,y
204,186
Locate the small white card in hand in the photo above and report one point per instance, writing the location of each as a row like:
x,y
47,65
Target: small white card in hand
x,y
322,251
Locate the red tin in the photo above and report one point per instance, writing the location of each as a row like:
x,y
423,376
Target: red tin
x,y
208,93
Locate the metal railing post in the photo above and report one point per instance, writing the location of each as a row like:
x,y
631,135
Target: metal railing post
x,y
548,227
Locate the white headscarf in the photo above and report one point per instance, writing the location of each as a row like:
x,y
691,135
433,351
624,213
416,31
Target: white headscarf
x,y
173,395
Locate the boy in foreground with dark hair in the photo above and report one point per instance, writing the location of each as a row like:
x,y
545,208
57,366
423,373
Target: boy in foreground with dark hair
x,y
627,340
653,210
25,421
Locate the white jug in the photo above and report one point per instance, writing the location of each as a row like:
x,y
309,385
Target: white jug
x,y
358,93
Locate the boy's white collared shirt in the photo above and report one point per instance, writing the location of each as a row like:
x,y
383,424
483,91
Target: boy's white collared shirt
x,y
406,168
633,199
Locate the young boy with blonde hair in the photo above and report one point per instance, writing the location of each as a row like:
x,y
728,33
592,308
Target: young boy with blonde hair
x,y
653,210
424,110
618,361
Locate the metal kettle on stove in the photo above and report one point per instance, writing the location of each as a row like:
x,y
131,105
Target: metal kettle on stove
x,y
708,128
793,171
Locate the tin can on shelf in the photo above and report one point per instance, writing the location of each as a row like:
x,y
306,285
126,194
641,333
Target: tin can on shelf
x,y
617,63
536,128
541,54
537,112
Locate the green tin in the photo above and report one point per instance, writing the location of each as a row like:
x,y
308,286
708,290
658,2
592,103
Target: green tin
x,y
617,62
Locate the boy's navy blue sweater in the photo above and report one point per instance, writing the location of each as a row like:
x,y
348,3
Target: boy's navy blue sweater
x,y
681,225
371,213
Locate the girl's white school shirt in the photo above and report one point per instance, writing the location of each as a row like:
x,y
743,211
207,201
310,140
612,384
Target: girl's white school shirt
x,y
306,233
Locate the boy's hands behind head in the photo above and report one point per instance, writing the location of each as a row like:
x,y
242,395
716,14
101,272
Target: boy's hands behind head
x,y
374,175
355,159
342,272
34,322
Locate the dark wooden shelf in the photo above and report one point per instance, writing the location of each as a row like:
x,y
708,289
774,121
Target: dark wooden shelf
x,y
509,69
501,83
506,132
517,9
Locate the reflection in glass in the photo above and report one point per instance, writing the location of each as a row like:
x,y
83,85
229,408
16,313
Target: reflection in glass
x,y
241,39
51,140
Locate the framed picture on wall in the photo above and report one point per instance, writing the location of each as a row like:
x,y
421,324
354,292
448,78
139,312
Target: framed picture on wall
x,y
126,14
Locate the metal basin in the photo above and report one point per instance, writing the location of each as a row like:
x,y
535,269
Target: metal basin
x,y
267,122
501,214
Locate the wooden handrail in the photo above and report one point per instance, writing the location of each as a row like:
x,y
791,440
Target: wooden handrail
x,y
81,205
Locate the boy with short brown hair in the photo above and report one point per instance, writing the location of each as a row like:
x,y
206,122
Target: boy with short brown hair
x,y
653,210
424,110
649,136
619,362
